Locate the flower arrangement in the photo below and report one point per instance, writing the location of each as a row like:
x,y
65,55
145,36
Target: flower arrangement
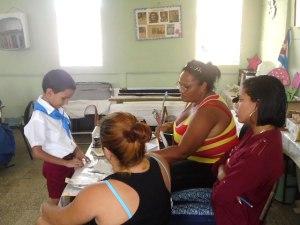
x,y
292,89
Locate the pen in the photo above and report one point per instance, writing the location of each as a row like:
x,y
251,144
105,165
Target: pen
x,y
241,200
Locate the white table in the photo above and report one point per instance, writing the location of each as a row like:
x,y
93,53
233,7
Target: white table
x,y
98,168
291,148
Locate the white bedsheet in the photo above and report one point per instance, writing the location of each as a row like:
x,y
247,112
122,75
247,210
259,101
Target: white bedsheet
x,y
75,109
144,110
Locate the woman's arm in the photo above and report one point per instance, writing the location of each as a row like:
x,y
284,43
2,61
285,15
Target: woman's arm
x,y
243,177
165,127
204,120
246,173
93,202
41,221
164,167
84,208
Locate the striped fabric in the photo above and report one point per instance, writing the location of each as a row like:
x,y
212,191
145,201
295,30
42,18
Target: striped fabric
x,y
212,148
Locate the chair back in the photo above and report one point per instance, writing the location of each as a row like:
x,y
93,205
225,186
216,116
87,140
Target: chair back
x,y
26,117
28,112
267,206
92,110
1,106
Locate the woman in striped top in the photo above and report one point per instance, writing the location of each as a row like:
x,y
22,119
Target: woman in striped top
x,y
203,132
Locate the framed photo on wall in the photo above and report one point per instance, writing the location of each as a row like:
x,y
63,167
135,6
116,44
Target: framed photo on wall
x,y
158,23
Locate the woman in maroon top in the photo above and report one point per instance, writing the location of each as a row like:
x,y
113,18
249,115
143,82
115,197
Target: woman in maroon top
x,y
249,171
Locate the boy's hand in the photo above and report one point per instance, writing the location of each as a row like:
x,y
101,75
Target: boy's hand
x,y
81,156
74,163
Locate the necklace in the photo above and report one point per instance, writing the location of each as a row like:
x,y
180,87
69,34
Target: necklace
x,y
264,129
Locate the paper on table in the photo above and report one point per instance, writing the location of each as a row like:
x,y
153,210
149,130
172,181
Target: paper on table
x,y
103,166
93,174
150,146
98,151
83,181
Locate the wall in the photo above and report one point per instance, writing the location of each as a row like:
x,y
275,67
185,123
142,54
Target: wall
x,y
294,53
274,31
127,62
251,30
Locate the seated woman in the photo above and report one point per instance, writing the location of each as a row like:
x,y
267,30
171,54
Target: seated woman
x,y
137,193
249,171
203,132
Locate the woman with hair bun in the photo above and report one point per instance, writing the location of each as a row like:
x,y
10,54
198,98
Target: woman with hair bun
x,y
138,192
203,132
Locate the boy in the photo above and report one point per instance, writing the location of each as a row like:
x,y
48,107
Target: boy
x,y
49,134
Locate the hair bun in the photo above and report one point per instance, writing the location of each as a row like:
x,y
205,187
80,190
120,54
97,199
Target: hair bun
x,y
130,135
139,131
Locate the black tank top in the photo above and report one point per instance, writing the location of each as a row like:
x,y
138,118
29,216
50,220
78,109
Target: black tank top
x,y
154,206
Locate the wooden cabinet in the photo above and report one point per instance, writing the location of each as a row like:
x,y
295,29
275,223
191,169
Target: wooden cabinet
x,y
14,31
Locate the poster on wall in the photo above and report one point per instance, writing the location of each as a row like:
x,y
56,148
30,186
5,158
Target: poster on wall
x,y
158,23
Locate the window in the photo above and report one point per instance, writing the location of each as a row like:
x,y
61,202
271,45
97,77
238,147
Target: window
x,y
218,31
297,13
79,32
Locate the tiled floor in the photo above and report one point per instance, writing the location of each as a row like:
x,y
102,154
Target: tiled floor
x,y
22,186
22,190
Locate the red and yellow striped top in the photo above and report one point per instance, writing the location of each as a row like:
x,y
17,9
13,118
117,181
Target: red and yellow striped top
x,y
213,148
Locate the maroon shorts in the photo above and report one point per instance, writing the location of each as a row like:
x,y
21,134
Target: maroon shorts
x,y
55,176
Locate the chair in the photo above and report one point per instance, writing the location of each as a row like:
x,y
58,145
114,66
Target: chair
x,y
26,118
192,206
1,107
268,203
287,185
92,111
84,106
90,120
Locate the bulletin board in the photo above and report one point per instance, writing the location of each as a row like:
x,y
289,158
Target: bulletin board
x,y
158,23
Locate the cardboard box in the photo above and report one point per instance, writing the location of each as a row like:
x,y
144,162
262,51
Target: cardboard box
x,y
293,128
293,105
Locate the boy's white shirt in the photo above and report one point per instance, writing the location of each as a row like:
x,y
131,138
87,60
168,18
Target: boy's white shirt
x,y
49,133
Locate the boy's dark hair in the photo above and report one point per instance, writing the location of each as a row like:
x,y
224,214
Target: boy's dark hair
x,y
270,94
58,80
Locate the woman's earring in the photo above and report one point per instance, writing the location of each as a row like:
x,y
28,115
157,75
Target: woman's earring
x,y
251,114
